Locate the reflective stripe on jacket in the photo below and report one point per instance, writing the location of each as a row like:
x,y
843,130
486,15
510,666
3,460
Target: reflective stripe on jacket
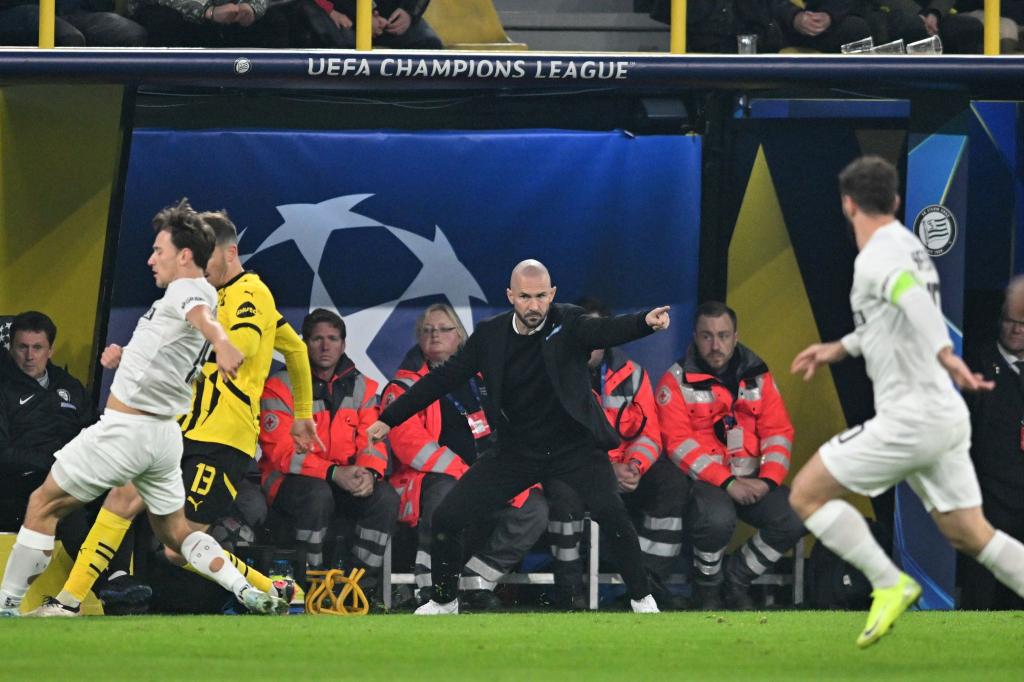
x,y
627,400
692,410
343,433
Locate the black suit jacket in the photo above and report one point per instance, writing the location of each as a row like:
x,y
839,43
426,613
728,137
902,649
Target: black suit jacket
x,y
570,335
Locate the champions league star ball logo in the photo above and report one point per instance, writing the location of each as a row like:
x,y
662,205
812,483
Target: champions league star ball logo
x,y
441,273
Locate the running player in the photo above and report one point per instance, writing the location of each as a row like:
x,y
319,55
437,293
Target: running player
x,y
921,432
137,439
221,427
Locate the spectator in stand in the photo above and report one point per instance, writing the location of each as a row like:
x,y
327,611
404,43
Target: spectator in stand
x,y
436,447
79,23
194,23
712,25
822,25
912,21
311,488
723,422
396,24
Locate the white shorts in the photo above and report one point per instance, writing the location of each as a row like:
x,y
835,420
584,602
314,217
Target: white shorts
x,y
121,448
933,458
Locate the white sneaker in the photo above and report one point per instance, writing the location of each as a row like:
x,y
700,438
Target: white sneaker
x,y
432,608
263,603
52,608
645,605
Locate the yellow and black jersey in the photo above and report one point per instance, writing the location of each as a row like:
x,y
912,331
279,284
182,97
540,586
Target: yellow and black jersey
x,y
227,410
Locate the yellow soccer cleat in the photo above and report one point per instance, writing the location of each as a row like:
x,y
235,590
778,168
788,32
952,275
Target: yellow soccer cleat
x,y
886,606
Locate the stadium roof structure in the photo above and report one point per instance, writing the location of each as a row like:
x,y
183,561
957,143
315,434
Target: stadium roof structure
x,y
974,77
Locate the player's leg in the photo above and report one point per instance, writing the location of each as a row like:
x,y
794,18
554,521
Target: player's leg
x,y
970,532
33,548
212,474
112,523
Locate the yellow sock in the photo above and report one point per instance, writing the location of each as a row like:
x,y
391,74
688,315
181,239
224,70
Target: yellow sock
x,y
254,577
99,548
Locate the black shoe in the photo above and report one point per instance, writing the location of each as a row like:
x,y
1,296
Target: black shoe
x,y
565,598
666,598
737,597
708,597
479,600
125,595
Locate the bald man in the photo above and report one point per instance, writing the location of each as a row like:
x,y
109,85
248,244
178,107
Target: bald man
x,y
997,449
534,363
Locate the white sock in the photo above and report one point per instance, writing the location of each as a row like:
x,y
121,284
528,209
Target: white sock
x,y
29,558
202,551
1004,556
842,529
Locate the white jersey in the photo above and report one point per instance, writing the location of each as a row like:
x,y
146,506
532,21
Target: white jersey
x,y
165,352
908,380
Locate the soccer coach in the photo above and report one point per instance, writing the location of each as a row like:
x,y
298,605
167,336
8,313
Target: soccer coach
x,y
534,363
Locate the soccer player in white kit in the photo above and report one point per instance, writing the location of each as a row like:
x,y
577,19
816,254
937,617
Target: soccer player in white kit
x,y
137,438
921,432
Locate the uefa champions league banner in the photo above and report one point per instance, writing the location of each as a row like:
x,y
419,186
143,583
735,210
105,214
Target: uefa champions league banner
x,y
377,225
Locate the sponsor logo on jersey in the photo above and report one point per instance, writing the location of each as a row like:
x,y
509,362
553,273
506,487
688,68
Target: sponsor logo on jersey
x,y
247,309
192,299
936,227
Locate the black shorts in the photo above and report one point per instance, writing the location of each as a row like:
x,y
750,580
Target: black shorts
x,y
212,473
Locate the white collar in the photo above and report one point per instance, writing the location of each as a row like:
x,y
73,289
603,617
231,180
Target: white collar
x,y
530,332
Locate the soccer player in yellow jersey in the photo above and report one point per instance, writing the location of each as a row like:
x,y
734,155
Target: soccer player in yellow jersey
x,y
220,430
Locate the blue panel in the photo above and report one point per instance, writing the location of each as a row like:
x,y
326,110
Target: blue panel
x,y
999,120
826,108
378,224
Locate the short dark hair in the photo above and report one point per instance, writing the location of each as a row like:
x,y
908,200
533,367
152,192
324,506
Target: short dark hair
x,y
715,309
224,231
322,315
872,183
34,321
594,306
187,230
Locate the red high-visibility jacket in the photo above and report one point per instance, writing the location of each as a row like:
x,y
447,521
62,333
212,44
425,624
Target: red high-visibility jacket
x,y
341,424
695,410
628,402
414,444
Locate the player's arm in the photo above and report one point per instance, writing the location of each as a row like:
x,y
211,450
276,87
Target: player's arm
x,y
276,417
229,358
372,456
415,447
296,359
911,297
818,354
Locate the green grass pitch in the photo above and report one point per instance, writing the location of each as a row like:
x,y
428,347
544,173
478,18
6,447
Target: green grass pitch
x,y
523,647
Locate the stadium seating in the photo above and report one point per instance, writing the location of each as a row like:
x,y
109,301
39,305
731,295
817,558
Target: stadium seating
x,y
469,25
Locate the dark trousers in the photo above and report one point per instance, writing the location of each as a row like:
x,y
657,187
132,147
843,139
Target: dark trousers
x,y
311,504
980,591
20,26
497,543
494,479
711,519
849,29
656,507
168,28
324,33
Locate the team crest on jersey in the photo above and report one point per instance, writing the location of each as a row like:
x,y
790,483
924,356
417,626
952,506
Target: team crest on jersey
x,y
664,395
936,227
64,395
270,421
247,309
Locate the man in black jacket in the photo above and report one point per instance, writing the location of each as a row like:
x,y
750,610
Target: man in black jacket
x,y
534,363
42,407
997,448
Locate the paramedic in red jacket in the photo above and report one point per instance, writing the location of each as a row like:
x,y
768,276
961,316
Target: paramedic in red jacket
x,y
435,447
723,422
310,489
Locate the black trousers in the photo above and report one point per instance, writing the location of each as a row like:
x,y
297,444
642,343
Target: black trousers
x,y
311,504
711,519
656,507
496,478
